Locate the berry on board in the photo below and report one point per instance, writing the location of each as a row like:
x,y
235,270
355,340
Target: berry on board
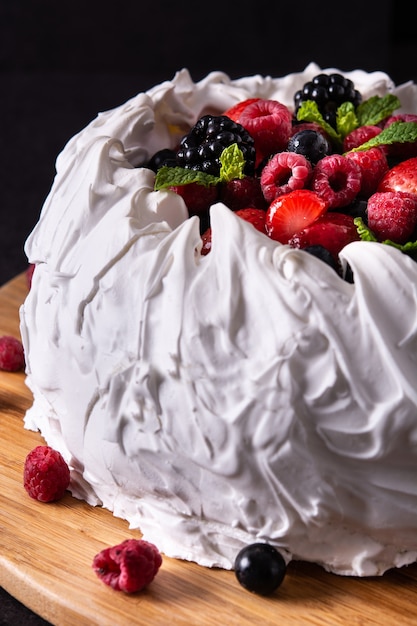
x,y
46,475
292,212
12,357
393,215
260,568
129,566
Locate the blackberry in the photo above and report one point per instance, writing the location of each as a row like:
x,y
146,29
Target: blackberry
x,y
202,147
328,91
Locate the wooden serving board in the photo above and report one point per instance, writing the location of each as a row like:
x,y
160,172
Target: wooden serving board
x,y
46,552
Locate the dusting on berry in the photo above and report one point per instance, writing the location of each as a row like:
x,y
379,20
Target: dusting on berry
x,y
12,357
129,566
260,568
46,475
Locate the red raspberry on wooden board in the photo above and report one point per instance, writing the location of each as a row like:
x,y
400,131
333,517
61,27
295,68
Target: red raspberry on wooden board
x,y
12,357
46,475
129,566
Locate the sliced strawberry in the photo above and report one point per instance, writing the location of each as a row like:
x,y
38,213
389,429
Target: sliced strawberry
x,y
269,123
333,231
292,212
393,215
401,177
235,111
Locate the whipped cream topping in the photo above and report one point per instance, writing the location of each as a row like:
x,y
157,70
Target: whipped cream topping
x,y
213,401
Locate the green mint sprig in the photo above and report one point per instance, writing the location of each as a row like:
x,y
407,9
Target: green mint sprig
x,y
366,234
397,132
372,111
232,164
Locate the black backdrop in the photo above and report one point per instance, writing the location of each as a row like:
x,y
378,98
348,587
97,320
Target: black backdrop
x,y
63,61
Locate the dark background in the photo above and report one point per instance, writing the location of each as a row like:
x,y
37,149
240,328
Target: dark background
x,y
61,62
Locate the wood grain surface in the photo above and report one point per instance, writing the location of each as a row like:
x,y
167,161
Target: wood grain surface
x,y
46,553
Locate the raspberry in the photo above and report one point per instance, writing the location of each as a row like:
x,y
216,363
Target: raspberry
x,y
202,147
284,172
129,566
254,216
241,193
373,164
269,123
392,215
337,180
29,274
359,136
12,358
46,475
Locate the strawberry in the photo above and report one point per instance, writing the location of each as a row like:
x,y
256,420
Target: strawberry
x,y
256,217
235,111
269,123
373,164
400,150
360,135
292,212
393,215
240,193
401,177
198,198
333,231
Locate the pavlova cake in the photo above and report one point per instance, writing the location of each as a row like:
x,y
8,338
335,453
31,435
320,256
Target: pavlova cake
x,y
217,381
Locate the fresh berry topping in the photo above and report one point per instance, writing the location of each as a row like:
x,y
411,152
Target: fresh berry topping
x,y
161,158
360,135
284,172
401,177
240,193
310,143
198,198
270,123
393,215
337,180
260,568
323,254
328,91
235,111
12,357
129,566
373,165
292,212
46,475
202,147
333,231
402,150
256,217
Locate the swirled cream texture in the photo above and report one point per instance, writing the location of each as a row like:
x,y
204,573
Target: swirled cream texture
x,y
214,401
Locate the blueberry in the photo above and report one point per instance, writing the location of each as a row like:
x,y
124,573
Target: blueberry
x,y
260,568
310,143
323,254
160,158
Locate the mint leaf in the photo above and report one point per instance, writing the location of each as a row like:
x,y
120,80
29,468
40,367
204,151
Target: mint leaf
x,y
346,119
232,163
375,109
168,176
366,234
397,132
309,112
